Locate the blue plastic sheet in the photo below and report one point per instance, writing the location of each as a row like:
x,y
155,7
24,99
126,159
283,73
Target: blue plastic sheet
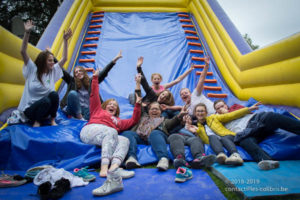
x,y
158,37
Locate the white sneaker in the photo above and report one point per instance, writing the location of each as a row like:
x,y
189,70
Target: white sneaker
x,y
112,184
221,157
132,163
234,159
268,164
163,164
125,173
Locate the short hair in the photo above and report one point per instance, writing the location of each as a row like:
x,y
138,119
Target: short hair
x,y
105,103
154,102
218,101
184,89
158,74
198,105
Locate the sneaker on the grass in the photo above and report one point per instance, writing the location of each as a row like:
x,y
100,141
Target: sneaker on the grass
x,y
183,174
84,174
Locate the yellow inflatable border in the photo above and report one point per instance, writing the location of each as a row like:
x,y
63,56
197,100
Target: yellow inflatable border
x,y
270,74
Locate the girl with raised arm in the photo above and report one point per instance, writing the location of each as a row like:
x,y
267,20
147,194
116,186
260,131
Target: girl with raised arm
x,y
39,99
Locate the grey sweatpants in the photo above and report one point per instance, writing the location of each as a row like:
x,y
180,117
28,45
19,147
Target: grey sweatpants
x,y
114,147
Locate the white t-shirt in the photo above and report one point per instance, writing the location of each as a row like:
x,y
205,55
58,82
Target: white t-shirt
x,y
240,124
195,99
34,90
210,132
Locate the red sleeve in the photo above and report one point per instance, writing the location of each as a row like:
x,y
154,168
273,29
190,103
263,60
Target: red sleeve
x,y
95,102
125,124
235,107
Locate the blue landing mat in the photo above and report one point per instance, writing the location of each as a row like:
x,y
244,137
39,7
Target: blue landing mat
x,y
254,183
148,184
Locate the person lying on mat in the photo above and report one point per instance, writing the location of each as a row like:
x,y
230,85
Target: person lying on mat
x,y
164,98
251,129
102,130
152,129
76,100
211,131
39,99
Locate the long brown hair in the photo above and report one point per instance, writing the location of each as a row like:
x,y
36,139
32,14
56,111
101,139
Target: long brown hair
x,y
41,64
85,80
170,100
104,104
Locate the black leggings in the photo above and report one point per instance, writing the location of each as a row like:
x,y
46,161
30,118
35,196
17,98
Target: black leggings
x,y
42,108
217,144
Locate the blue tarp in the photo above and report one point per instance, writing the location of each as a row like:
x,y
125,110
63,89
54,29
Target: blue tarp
x,y
158,37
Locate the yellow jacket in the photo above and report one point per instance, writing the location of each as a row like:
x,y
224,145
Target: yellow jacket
x,y
215,122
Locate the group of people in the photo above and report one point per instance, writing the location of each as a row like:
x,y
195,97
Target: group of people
x,y
155,120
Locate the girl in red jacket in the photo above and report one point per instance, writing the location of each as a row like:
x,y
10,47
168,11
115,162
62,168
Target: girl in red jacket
x,y
102,130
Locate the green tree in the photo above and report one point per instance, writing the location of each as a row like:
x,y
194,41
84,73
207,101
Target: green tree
x,y
40,11
250,42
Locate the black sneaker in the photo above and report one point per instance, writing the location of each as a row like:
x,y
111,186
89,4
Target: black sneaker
x,y
203,161
180,163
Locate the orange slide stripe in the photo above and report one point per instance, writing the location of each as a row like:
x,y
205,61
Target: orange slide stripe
x,y
98,12
189,31
195,51
185,20
194,44
96,20
95,26
86,60
187,26
92,38
192,38
94,32
183,15
197,58
95,16
212,88
90,45
208,73
88,52
199,66
216,95
210,81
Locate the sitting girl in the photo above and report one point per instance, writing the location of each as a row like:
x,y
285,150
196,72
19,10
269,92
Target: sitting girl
x,y
211,131
76,100
39,99
102,130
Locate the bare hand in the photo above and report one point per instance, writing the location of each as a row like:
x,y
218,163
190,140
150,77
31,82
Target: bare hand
x,y
187,119
192,128
192,67
28,25
138,99
163,107
96,72
255,106
206,60
67,34
118,56
140,61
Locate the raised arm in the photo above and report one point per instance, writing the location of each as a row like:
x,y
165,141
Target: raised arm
x,y
180,78
95,102
200,85
149,91
104,72
28,26
67,35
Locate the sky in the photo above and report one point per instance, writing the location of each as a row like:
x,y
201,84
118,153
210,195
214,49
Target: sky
x,y
265,21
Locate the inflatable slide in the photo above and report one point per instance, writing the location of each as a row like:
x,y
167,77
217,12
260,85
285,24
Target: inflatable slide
x,y
170,35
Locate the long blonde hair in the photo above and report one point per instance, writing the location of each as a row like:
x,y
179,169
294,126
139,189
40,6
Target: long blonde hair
x,y
85,80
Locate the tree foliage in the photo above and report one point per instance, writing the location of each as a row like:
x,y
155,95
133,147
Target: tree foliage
x,y
40,11
250,42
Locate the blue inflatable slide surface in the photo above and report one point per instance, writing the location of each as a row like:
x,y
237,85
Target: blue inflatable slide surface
x,y
161,40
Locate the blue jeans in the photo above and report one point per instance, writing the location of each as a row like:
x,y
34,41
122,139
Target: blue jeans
x,y
157,139
74,108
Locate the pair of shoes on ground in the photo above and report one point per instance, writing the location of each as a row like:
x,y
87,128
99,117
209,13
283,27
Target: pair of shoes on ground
x,y
132,163
233,159
203,162
84,174
268,164
113,182
11,180
183,174
60,188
